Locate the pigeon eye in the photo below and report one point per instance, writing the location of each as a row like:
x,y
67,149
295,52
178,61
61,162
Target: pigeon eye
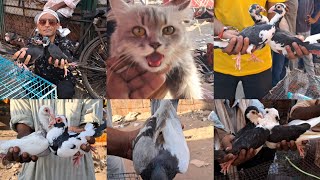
x,y
46,110
59,120
267,111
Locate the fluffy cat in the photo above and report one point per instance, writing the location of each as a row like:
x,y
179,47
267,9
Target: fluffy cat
x,y
155,38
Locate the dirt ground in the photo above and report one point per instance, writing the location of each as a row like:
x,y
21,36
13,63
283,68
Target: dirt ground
x,y
11,172
199,135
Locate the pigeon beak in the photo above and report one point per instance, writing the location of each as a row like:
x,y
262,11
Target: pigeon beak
x,y
52,120
263,9
272,9
260,115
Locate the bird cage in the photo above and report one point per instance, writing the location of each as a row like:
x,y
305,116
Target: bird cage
x,y
281,168
296,82
124,176
16,82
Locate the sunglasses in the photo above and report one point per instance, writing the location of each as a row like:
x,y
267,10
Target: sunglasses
x,y
43,22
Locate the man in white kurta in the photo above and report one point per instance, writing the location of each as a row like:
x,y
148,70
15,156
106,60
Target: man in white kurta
x,y
52,167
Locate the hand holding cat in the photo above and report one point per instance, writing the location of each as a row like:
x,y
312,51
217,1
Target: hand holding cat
x,y
133,82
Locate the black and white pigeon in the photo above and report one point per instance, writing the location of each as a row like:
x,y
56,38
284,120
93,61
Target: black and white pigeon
x,y
160,150
296,130
255,13
259,35
67,144
283,38
253,136
252,116
34,143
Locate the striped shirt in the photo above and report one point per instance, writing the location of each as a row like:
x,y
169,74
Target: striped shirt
x,y
305,8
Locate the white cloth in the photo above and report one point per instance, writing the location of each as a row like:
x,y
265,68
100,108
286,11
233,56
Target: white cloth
x,y
52,167
47,11
67,11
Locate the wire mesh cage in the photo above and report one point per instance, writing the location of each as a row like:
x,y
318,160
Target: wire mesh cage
x,y
124,176
281,168
296,81
16,82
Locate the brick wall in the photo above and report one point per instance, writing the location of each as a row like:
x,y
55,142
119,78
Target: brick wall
x,y
122,107
22,25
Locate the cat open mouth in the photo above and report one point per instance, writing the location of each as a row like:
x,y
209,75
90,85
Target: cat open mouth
x,y
154,59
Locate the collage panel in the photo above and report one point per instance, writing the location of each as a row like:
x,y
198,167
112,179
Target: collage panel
x,y
160,49
160,139
266,139
52,139
266,49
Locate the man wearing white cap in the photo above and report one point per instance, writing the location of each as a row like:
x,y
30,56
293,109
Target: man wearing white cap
x,y
50,69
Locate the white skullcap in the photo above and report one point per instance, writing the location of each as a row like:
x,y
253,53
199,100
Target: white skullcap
x,y
46,11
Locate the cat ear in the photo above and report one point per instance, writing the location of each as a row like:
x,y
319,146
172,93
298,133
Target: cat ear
x,y
182,4
118,6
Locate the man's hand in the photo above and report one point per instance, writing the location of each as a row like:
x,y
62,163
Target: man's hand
x,y
237,45
133,82
87,147
13,155
58,63
300,50
120,143
311,20
21,56
288,145
243,156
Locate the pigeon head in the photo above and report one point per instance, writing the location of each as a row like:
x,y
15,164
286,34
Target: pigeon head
x,y
60,121
273,113
159,173
45,116
278,8
252,115
256,9
45,41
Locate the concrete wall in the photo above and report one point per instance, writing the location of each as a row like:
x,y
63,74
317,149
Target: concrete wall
x,y
123,107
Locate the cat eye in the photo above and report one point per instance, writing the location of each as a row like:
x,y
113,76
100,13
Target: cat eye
x,y
168,30
138,31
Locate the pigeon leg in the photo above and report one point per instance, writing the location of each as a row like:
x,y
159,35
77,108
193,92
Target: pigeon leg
x,y
301,150
254,58
76,159
225,166
316,52
93,149
238,61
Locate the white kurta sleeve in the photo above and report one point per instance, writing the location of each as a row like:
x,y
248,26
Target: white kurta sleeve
x,y
20,113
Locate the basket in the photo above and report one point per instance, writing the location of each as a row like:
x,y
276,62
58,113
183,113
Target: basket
x,y
16,82
124,176
280,168
296,81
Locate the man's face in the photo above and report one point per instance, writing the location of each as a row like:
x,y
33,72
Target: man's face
x,y
48,25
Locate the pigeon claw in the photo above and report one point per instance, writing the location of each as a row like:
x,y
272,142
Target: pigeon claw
x,y
238,62
76,159
254,58
301,150
226,165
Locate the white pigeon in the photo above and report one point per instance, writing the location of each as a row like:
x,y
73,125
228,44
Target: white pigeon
x,y
160,149
45,116
34,143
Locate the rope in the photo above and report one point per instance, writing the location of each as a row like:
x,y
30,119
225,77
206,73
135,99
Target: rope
x,y
308,174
